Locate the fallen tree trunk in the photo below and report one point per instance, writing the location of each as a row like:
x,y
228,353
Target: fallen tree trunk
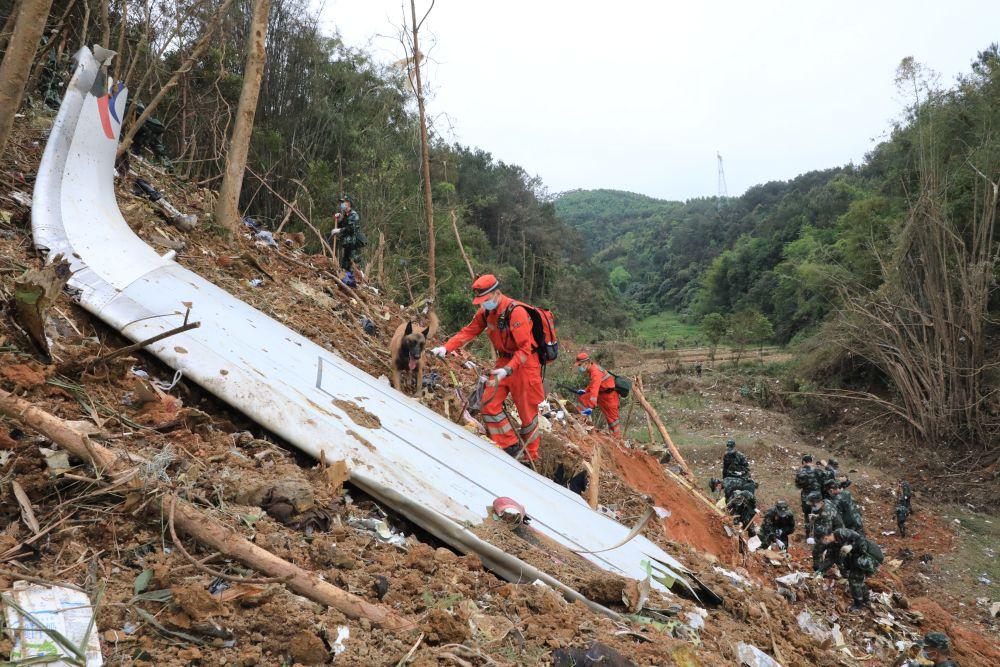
x,y
674,452
199,525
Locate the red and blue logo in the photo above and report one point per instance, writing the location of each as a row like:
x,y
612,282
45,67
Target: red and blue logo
x,y
106,108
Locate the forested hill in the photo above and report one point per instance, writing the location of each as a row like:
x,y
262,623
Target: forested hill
x,y
701,256
791,250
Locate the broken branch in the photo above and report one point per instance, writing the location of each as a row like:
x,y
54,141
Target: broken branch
x,y
674,452
204,528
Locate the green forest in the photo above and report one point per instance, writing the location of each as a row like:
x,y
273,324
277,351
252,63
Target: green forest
x,y
790,249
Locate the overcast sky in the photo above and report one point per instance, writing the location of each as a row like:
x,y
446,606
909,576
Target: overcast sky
x,y
639,95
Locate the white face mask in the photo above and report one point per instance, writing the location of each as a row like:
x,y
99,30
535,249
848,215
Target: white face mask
x,y
490,305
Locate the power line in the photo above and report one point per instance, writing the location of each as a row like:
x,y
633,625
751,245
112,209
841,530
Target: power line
x,y
722,180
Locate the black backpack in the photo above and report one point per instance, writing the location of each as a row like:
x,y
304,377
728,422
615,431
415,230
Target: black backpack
x,y
543,330
622,385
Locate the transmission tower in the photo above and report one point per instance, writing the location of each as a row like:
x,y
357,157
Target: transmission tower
x,y
722,180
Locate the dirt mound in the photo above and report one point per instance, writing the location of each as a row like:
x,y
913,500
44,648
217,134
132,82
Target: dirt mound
x,y
692,520
969,648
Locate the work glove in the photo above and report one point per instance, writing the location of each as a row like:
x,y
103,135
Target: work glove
x,y
440,351
581,392
586,412
334,232
846,549
500,373
811,540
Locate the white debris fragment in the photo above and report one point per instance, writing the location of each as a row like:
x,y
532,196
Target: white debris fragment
x,y
696,618
995,609
343,634
58,609
793,579
812,626
732,576
754,657
753,543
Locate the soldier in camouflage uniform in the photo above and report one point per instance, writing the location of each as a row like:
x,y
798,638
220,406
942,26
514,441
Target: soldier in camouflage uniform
x,y
828,470
778,525
734,463
857,557
902,514
807,481
843,501
903,495
825,520
731,485
743,508
348,226
936,649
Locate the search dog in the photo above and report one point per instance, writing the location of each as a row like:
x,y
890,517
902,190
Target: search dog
x,y
407,350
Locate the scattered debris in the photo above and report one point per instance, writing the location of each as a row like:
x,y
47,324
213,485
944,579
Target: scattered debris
x,y
754,657
51,621
34,292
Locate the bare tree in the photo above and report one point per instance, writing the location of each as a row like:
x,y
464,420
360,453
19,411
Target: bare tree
x,y
17,61
192,58
425,159
8,24
227,208
925,326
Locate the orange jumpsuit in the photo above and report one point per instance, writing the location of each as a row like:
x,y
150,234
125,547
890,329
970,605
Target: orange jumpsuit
x,y
515,348
601,393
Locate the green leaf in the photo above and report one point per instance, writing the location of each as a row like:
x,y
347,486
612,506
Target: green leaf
x,y
159,595
142,581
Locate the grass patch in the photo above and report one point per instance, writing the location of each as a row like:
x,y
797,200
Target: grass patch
x,y
669,329
978,552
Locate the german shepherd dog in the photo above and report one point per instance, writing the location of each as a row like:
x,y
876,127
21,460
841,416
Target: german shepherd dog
x,y
407,350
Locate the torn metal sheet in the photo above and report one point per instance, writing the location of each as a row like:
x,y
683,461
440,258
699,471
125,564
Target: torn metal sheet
x,y
304,393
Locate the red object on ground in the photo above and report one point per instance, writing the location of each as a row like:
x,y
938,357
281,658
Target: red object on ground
x,y
509,509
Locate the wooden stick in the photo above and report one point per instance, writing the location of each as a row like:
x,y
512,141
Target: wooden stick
x,y
663,432
461,246
201,526
128,349
594,487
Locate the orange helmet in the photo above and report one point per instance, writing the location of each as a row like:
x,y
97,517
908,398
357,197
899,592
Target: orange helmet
x,y
581,358
483,287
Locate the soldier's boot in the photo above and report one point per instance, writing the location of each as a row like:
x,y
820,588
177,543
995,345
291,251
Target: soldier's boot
x,y
859,591
817,556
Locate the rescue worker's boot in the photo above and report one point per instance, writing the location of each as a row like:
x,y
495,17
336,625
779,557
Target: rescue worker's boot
x,y
515,451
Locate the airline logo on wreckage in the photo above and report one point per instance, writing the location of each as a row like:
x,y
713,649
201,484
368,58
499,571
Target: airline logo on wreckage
x,y
106,97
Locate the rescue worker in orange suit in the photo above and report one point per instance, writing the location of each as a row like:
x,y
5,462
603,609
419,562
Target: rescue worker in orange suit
x,y
517,372
600,392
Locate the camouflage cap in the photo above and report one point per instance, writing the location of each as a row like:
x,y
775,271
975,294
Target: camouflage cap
x,y
730,444
712,483
807,458
831,484
833,463
814,497
781,505
842,534
938,640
